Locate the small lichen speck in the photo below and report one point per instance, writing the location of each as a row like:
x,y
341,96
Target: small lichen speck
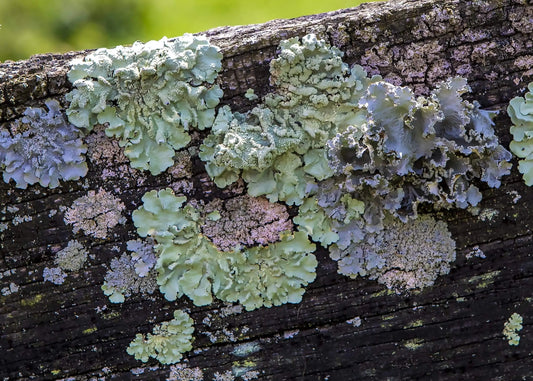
x,y
11,289
356,321
226,376
511,328
475,252
54,275
180,372
95,214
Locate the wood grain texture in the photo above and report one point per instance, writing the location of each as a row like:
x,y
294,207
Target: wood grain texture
x,y
452,330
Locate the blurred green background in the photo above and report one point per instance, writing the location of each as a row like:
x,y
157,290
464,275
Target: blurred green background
x,y
38,26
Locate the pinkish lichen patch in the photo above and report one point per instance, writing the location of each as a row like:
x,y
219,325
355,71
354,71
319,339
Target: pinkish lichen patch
x,y
102,150
244,221
95,214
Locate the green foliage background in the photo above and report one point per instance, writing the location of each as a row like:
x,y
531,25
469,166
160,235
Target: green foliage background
x,y
39,26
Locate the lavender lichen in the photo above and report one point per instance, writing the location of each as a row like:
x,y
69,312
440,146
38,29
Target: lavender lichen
x,y
42,147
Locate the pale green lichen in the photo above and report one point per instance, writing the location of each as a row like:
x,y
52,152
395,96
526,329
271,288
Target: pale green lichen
x,y
279,145
148,95
511,328
44,149
190,264
167,342
520,111
356,154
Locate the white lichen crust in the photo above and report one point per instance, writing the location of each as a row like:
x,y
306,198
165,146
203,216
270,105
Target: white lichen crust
x,y
44,149
167,342
520,111
190,264
95,214
148,95
401,256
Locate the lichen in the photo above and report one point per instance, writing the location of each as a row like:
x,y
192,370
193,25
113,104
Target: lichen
x,y
54,275
44,149
511,328
401,256
357,154
131,274
190,264
167,342
520,111
278,146
244,221
72,257
181,372
148,95
95,213
414,150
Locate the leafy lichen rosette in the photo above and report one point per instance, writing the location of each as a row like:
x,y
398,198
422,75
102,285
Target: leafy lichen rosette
x,y
279,146
168,341
148,95
44,149
190,264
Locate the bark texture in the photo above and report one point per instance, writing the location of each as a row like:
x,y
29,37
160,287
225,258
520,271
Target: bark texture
x,y
452,330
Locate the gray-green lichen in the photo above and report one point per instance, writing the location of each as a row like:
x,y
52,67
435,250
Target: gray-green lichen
x,y
132,273
401,256
69,259
42,147
167,342
358,155
278,146
511,328
148,95
520,111
95,213
72,257
190,264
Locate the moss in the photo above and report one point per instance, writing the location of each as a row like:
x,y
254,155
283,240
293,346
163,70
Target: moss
x,y
30,302
89,331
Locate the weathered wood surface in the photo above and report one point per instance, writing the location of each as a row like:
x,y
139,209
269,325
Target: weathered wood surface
x,y
450,331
